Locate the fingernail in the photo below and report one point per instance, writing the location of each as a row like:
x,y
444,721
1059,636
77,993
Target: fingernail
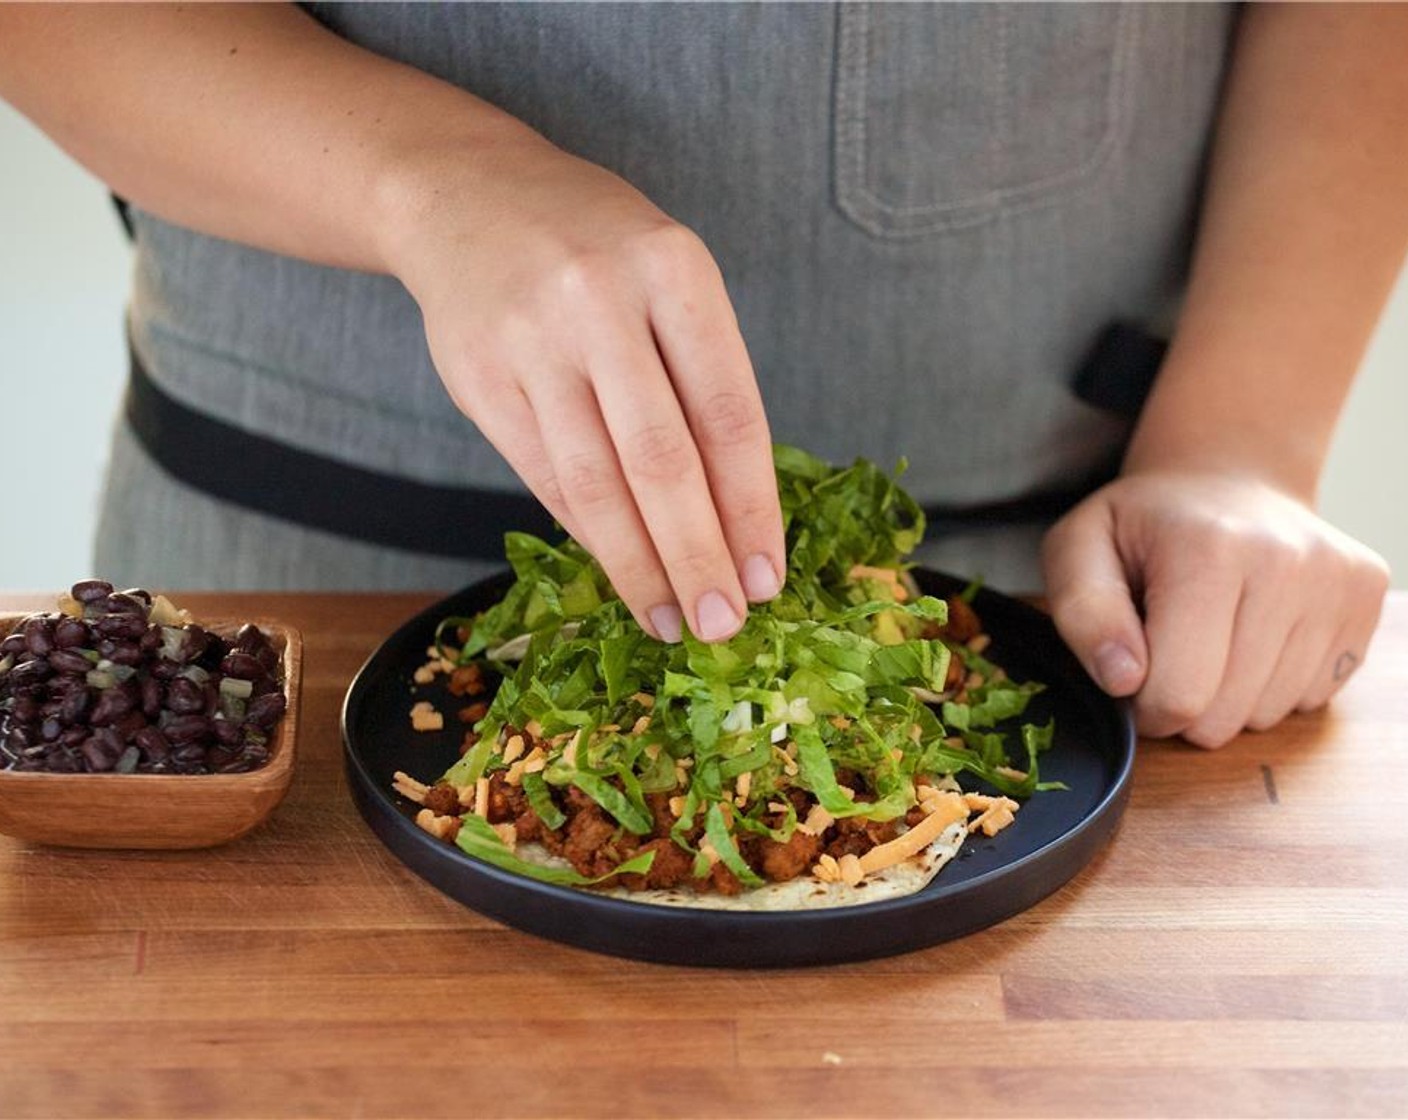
x,y
716,618
1117,668
760,580
667,621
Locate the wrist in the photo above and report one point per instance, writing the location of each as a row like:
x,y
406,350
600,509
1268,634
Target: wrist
x,y
1275,463
444,177
1222,408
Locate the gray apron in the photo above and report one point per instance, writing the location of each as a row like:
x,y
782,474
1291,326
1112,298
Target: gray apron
x,y
924,216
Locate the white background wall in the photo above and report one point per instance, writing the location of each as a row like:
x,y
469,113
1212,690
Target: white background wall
x,y
63,273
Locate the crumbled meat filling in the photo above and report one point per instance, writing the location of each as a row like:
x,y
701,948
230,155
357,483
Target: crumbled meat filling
x,y
781,862
443,800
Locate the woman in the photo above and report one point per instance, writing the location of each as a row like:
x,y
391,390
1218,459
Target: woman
x,y
921,219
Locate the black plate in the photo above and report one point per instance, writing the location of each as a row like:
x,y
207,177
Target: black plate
x,y
1055,835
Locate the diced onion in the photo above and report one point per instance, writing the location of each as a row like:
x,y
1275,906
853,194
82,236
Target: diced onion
x,y
739,718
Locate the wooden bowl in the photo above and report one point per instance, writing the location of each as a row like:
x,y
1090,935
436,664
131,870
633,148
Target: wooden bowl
x,y
158,810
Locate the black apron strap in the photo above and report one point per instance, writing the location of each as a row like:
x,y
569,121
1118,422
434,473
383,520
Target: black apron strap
x,y
274,478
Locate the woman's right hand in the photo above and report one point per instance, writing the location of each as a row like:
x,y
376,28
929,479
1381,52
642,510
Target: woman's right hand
x,y
586,333
590,338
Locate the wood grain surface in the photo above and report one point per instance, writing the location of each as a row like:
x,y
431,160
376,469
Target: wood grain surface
x,y
1240,949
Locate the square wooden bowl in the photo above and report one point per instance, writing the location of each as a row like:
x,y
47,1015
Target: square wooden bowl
x,y
158,810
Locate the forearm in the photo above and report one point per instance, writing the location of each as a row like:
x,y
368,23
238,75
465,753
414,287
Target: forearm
x,y
252,123
1303,233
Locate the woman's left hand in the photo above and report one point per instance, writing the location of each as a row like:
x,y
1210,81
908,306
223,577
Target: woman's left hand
x,y
1218,603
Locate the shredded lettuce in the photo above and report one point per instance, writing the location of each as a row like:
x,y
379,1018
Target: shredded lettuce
x,y
819,681
477,838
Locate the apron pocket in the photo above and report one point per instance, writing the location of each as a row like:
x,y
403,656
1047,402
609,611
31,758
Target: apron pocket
x,y
948,115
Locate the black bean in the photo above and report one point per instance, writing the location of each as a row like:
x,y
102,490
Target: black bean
x,y
184,696
110,740
154,744
165,670
91,590
64,762
250,639
112,704
127,726
24,708
237,766
121,603
198,640
67,661
127,653
216,757
153,696
127,761
264,711
70,633
29,672
76,706
97,758
121,627
186,728
152,640
242,666
139,593
227,732
12,643
190,753
72,736
38,635
62,684
255,642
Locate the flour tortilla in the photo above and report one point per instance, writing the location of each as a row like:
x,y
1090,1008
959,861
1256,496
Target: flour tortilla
x,y
802,893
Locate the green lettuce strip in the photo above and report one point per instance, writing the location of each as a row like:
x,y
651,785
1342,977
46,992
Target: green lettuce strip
x,y
477,838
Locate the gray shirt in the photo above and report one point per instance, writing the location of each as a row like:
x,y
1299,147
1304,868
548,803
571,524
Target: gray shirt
x,y
924,216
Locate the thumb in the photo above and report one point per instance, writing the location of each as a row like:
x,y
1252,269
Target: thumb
x,y
1090,598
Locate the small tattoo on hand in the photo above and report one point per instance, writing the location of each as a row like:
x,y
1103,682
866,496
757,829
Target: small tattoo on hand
x,y
1345,664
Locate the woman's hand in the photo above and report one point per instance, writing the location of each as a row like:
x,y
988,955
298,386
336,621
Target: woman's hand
x,y
587,333
590,338
1201,582
1217,602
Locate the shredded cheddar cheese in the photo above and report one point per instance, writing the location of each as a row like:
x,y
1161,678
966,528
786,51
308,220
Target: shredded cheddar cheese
x,y
818,821
513,749
425,717
941,814
442,828
508,833
409,788
881,575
